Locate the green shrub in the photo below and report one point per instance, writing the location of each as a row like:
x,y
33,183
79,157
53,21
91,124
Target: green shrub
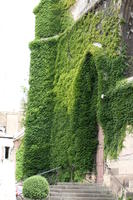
x,y
129,198
35,187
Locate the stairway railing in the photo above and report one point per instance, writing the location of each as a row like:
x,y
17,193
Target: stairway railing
x,y
124,190
49,171
51,175
54,175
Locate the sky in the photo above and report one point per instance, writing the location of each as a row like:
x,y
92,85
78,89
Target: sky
x,y
17,24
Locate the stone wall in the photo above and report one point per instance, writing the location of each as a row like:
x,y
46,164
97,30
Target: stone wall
x,y
126,16
127,31
119,173
83,6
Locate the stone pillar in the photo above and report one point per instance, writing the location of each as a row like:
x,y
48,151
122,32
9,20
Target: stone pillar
x,y
100,156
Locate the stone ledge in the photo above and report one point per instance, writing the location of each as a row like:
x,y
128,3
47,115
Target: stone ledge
x,y
83,6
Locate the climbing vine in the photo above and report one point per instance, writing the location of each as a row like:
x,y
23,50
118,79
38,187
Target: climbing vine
x,y
52,17
19,162
68,76
39,114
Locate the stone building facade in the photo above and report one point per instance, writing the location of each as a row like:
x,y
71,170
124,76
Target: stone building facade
x,y
10,122
118,173
10,125
115,174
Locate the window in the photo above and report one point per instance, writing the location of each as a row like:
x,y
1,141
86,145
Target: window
x,y
7,152
2,129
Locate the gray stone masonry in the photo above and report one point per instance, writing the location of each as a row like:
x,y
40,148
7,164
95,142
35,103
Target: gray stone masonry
x,y
79,191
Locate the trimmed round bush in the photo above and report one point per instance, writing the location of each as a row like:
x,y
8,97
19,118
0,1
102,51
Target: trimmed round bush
x,y
35,187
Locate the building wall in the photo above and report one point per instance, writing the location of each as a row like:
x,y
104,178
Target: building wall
x,y
79,8
7,173
83,6
12,122
118,174
6,142
127,32
120,171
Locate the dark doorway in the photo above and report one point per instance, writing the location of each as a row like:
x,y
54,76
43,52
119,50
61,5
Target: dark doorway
x,y
7,152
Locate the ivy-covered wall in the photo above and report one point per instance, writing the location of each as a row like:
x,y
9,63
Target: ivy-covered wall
x,y
52,17
68,75
39,116
19,162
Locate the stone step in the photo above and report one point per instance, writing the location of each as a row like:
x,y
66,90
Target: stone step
x,y
79,194
80,198
79,184
86,190
93,188
79,191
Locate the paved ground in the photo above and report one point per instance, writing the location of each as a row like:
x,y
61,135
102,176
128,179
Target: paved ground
x,y
7,181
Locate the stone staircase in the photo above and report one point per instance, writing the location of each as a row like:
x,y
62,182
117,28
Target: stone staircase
x,y
79,191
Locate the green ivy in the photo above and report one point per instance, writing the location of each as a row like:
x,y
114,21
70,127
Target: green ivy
x,y
74,124
68,3
39,115
52,17
19,162
68,75
116,106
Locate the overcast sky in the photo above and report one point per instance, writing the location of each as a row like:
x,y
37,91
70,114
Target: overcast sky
x,y
16,31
